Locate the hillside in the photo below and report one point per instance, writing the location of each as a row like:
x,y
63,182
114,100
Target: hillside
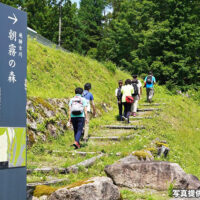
x,y
55,74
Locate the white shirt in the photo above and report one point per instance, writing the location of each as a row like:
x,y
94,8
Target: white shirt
x,y
139,86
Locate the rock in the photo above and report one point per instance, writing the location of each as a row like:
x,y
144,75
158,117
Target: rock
x,y
38,198
34,198
61,125
118,154
31,137
29,193
61,194
42,136
129,159
154,175
29,106
193,182
40,119
32,124
104,106
163,151
97,188
52,130
48,113
44,197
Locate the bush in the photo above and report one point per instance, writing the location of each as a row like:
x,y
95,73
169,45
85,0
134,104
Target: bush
x,y
92,53
110,66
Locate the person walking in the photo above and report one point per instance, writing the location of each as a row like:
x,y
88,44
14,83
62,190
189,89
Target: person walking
x,y
118,94
127,99
137,85
90,100
78,115
149,84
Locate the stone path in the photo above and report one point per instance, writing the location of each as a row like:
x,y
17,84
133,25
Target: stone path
x,y
111,135
106,135
73,168
33,185
123,127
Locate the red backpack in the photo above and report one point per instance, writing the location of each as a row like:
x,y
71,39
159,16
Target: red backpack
x,y
129,99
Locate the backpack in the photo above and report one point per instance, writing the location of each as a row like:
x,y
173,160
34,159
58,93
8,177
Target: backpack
x,y
77,107
119,94
129,99
135,87
149,80
85,93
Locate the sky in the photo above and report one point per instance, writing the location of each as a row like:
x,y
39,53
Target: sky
x,y
76,1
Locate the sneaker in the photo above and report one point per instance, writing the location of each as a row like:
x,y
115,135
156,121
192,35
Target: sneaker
x,y
125,119
76,145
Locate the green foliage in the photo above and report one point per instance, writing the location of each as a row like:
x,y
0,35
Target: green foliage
x,y
32,114
110,66
92,53
129,195
194,93
170,190
161,36
90,15
13,3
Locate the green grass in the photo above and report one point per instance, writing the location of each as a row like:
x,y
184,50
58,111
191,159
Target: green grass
x,y
129,195
55,74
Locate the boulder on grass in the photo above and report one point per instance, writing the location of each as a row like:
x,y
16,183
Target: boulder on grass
x,y
97,188
151,174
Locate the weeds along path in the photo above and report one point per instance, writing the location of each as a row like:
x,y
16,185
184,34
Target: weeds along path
x,y
107,143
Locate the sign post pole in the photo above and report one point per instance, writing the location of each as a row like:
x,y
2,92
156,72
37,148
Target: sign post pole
x,y
13,64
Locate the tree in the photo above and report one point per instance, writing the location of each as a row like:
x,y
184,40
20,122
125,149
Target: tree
x,y
37,11
13,3
162,36
91,18
71,27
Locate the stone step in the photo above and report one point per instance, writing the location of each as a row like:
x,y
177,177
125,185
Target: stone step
x,y
152,104
112,138
33,185
77,152
46,170
147,109
123,127
73,168
138,118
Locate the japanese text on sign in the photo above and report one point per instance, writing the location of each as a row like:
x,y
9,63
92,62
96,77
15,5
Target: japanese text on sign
x,y
15,48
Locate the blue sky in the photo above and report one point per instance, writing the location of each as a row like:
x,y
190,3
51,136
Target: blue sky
x,y
78,2
75,1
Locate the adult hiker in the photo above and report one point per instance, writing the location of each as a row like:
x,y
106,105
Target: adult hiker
x,y
118,94
149,83
78,115
137,85
90,100
127,99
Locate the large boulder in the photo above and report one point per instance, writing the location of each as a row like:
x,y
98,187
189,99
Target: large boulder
x,y
151,174
97,188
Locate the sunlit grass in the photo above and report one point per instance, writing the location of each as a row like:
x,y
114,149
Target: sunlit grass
x,y
55,74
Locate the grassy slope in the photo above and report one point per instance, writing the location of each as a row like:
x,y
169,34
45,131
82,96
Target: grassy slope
x,y
52,73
